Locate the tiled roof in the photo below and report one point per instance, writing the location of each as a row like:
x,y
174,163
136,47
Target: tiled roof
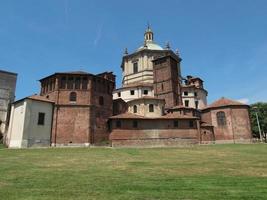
x,y
174,115
148,97
127,115
222,102
73,72
39,98
137,84
181,107
205,124
36,98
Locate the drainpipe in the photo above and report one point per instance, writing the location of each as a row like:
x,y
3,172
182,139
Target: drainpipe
x,y
57,108
199,131
232,125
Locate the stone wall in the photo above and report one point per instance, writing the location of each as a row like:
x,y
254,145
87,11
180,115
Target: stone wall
x,y
7,96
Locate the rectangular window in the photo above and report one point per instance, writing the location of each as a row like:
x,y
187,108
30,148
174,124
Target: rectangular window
x,y
196,104
175,124
135,124
78,83
191,124
185,93
41,118
50,86
84,83
119,94
132,92
145,92
63,83
135,67
118,124
186,103
151,108
70,83
195,94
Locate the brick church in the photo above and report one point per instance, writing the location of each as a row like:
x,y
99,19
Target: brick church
x,y
156,106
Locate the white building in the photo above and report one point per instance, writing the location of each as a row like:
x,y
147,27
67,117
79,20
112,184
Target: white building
x,y
137,69
30,123
193,93
138,77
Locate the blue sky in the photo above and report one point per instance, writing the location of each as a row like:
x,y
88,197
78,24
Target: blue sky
x,y
223,42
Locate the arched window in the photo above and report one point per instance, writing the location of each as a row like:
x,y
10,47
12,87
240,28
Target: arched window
x,y
135,108
73,97
221,119
101,100
151,108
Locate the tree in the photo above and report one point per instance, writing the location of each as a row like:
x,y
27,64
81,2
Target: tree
x,y
261,109
1,135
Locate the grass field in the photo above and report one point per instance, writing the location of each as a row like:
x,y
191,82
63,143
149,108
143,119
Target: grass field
x,y
199,172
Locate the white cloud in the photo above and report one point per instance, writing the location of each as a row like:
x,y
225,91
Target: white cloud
x,y
244,100
98,34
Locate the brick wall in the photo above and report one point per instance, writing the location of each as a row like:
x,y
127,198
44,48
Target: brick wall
x,y
82,120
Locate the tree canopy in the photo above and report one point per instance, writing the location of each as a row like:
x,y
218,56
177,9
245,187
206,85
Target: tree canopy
x,y
261,109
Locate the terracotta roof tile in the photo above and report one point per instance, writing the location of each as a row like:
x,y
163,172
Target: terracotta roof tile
x,y
39,98
128,115
205,124
222,102
147,97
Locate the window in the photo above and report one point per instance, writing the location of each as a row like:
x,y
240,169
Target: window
x,y
73,97
41,118
50,86
132,92
195,94
63,83
119,94
84,83
221,119
196,104
175,124
162,86
135,67
145,92
118,124
135,108
186,103
135,124
185,93
101,100
70,83
78,83
191,124
151,108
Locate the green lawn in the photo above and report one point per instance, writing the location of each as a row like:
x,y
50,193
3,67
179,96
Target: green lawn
x,y
199,172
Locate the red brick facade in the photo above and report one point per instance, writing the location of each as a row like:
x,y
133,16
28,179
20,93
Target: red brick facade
x,y
83,104
153,132
166,80
230,120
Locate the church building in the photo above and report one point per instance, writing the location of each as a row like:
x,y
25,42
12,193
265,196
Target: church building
x,y
166,109
156,106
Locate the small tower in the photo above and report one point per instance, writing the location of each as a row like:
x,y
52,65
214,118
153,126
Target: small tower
x,y
148,34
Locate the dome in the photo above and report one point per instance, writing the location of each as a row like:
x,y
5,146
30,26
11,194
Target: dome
x,y
151,46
